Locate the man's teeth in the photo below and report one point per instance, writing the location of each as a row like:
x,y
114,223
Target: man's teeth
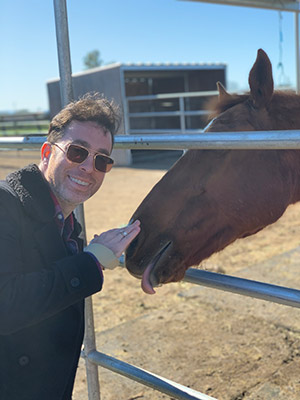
x,y
78,181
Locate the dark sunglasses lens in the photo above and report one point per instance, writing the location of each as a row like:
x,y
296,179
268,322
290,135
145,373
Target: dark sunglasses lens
x,y
103,164
77,154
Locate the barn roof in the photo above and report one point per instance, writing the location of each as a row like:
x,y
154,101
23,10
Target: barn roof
x,y
127,67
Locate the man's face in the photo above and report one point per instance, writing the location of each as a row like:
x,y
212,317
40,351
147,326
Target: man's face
x,y
74,183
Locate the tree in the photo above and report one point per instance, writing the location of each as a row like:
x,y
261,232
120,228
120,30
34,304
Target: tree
x,y
92,59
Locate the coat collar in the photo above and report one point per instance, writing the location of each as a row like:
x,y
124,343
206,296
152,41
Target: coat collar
x,y
34,193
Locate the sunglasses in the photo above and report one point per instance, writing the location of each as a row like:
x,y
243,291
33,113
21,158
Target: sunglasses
x,y
78,154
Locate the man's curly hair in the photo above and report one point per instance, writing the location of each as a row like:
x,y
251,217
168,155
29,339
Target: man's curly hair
x,y
90,107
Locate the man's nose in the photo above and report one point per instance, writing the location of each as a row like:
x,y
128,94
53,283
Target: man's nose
x,y
88,164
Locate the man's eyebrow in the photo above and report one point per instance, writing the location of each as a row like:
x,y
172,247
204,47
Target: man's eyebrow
x,y
86,144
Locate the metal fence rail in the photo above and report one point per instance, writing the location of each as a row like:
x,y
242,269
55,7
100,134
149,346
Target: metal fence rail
x,y
242,286
245,287
146,378
23,123
278,294
259,140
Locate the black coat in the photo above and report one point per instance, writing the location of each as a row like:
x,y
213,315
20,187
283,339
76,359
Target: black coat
x,y
42,291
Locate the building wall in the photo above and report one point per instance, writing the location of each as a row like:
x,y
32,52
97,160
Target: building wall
x,y
117,81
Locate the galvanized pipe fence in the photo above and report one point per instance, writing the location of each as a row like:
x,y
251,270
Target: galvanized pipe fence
x,y
268,140
257,140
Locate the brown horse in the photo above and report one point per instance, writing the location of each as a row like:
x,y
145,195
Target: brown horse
x,y
209,198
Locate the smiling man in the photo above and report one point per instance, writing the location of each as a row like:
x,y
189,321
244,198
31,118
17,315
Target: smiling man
x,y
45,273
73,183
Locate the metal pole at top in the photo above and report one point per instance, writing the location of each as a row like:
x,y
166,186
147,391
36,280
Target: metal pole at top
x,y
63,51
66,92
65,72
297,52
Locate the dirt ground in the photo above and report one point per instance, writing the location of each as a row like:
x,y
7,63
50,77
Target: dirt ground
x,y
227,346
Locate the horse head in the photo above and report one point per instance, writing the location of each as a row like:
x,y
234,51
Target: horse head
x,y
210,198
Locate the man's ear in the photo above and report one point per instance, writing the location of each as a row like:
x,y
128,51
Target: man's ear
x,y
45,152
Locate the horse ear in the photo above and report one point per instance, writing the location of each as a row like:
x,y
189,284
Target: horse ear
x,y
222,92
261,80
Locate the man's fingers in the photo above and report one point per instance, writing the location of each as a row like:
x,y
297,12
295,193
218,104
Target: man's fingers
x,y
126,240
130,229
131,235
118,240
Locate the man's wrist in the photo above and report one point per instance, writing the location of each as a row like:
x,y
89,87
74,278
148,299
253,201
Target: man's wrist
x,y
103,254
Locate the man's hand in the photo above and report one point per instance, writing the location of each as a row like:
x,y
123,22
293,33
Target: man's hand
x,y
117,240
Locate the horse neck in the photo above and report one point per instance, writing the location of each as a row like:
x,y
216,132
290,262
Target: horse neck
x,y
285,115
289,164
284,111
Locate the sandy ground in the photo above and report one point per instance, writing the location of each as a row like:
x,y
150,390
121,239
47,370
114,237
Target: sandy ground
x,y
227,346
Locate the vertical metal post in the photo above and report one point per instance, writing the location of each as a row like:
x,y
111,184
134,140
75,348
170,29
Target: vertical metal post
x,y
63,51
125,103
89,346
182,115
66,91
297,51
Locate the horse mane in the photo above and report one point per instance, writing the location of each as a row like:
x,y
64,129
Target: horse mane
x,y
218,105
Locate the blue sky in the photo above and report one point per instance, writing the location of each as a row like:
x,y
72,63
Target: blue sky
x,y
135,31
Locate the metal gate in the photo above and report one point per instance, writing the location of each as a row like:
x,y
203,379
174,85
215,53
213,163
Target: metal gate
x,y
277,294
